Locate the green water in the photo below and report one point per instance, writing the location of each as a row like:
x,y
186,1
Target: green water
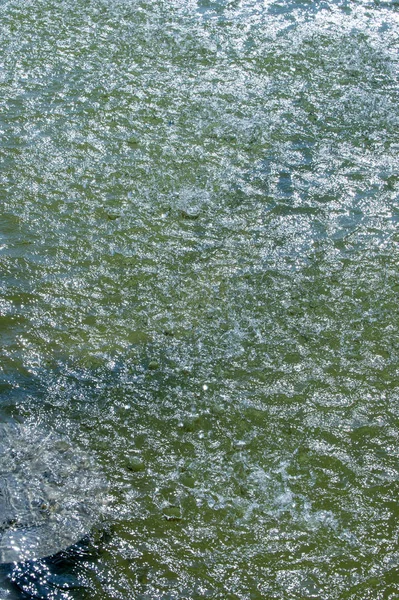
x,y
199,280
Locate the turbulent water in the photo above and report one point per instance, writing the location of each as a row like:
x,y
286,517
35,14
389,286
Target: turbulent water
x,y
199,289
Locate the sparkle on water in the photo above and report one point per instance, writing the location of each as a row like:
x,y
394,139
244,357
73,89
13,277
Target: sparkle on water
x,y
199,287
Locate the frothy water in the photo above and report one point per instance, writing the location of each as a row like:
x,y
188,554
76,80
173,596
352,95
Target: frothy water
x,y
51,493
198,254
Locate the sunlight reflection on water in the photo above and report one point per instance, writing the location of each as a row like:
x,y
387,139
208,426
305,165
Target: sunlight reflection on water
x,y
198,227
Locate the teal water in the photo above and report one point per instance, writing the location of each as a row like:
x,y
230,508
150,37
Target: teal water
x,y
199,287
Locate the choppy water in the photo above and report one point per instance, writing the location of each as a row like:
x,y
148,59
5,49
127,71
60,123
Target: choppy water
x,y
199,287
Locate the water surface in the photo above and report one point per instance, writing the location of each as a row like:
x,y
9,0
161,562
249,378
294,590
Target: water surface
x,y
199,287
